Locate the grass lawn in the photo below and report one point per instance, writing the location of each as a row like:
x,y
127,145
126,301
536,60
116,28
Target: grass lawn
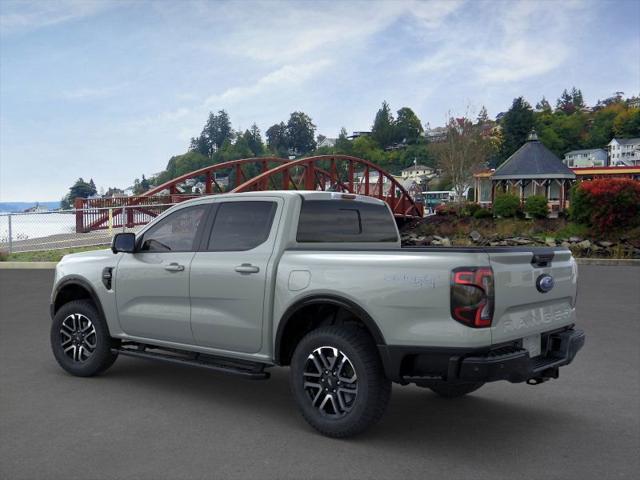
x,y
46,255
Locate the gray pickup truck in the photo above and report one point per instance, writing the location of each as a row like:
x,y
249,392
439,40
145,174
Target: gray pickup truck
x,y
316,281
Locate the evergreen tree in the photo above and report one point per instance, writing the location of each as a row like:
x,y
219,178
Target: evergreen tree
x,y
408,126
216,131
543,106
565,103
343,144
576,99
253,138
483,116
517,123
382,130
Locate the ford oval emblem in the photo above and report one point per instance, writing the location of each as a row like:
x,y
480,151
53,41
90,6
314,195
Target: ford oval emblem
x,y
544,283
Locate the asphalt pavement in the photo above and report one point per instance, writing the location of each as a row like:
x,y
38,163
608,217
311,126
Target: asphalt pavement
x,y
146,420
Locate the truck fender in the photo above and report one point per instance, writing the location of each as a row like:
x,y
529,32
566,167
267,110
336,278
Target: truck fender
x,y
76,281
338,301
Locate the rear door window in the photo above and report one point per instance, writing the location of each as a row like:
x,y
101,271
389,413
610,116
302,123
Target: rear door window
x,y
345,221
241,226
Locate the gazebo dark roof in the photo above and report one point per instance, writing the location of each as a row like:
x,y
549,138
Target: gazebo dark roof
x,y
533,160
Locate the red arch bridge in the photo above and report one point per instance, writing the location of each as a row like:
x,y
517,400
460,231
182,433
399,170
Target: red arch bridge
x,y
337,173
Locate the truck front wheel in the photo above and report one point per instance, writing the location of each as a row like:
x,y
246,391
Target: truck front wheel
x,y
80,339
338,382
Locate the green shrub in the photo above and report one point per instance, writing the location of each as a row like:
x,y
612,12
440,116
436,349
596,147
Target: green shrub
x,y
506,205
536,206
483,213
469,209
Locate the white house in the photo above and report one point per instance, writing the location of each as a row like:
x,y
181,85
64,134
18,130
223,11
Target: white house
x,y
327,142
417,172
593,157
624,152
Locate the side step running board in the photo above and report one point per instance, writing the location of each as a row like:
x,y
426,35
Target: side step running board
x,y
248,370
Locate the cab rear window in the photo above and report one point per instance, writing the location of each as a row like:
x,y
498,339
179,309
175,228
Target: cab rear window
x,y
345,221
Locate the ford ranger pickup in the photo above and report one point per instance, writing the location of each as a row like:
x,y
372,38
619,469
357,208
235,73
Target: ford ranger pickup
x,y
319,282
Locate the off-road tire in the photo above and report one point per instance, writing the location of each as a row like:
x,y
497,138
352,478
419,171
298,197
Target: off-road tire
x,y
373,388
101,357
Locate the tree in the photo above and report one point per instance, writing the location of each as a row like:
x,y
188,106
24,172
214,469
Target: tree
x,y
408,126
576,99
382,130
343,144
301,133
463,152
80,189
543,106
627,124
483,116
200,145
565,103
277,139
216,131
366,147
517,123
253,138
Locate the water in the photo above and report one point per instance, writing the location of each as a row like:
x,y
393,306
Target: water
x,y
36,225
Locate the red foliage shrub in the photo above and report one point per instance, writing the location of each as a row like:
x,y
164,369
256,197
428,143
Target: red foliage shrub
x,y
607,203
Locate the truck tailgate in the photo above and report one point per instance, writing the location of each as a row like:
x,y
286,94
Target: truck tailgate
x,y
522,306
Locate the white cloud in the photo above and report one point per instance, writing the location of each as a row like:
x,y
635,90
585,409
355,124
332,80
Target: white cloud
x,y
526,40
24,15
285,77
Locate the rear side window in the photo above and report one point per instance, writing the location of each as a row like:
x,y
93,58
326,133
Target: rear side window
x,y
345,221
241,225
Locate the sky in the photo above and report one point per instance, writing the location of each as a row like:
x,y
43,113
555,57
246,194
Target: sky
x,y
110,90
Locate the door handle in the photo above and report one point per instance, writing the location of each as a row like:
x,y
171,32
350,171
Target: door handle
x,y
247,268
174,267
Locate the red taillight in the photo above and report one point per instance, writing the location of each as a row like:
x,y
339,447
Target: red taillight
x,y
472,296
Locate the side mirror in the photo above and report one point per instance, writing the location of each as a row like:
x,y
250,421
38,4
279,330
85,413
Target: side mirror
x,y
124,242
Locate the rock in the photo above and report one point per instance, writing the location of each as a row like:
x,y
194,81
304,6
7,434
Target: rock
x,y
585,244
605,244
475,236
550,241
446,242
436,243
438,238
522,241
575,239
494,244
565,244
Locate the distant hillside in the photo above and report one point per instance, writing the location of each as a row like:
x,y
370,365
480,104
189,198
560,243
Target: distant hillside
x,y
14,207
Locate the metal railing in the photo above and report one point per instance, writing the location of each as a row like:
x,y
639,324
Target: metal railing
x,y
52,230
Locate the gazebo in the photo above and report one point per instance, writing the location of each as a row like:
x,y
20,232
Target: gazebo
x,y
532,170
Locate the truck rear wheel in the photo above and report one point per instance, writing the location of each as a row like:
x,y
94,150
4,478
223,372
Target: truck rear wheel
x,y
338,382
453,390
80,339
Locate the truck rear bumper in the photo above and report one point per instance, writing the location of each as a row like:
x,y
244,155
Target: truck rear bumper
x,y
511,362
